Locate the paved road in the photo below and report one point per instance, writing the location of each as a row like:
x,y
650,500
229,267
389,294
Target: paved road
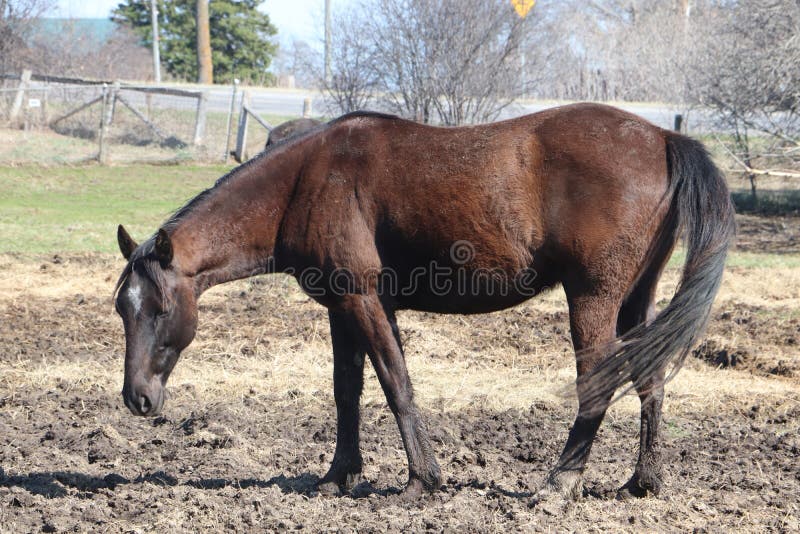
x,y
282,102
268,101
289,102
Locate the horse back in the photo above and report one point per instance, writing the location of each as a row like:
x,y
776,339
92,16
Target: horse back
x,y
550,190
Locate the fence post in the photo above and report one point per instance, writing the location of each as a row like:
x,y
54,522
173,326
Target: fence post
x,y
240,154
101,149
200,119
307,108
678,122
114,91
20,96
109,100
230,122
45,106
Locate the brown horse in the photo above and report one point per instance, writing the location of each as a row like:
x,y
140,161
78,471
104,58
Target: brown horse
x,y
374,214
291,128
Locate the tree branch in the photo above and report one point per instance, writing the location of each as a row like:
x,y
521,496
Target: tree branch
x,y
760,172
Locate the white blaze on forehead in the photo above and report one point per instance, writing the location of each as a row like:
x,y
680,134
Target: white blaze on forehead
x,y
135,296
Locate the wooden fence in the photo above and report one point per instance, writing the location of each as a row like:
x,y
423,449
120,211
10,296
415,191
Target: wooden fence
x,y
31,105
41,101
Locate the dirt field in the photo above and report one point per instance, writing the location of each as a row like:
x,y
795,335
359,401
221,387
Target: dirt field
x,y
250,425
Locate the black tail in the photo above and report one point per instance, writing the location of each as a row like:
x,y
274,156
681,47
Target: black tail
x,y
701,204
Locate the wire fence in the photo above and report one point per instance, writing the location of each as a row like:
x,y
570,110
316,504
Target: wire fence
x,y
66,120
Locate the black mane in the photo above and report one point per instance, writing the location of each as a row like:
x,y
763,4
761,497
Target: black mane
x,y
363,114
187,208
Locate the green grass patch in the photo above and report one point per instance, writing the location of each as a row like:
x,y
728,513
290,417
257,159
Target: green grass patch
x,y
75,140
753,260
767,202
675,430
45,210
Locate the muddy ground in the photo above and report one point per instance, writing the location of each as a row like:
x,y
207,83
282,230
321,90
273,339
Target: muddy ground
x,y
250,425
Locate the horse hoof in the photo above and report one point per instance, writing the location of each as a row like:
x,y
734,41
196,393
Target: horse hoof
x,y
336,485
567,485
351,481
329,489
626,493
549,500
634,489
413,491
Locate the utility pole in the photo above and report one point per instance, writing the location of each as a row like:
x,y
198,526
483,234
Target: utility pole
x,y
327,41
204,63
686,8
156,54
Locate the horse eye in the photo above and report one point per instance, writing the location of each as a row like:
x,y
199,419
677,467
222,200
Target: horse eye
x,y
159,318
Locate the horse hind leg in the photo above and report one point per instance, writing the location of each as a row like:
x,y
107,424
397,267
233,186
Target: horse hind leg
x,y
639,308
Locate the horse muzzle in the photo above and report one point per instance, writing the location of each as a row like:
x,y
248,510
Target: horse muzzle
x,y
146,400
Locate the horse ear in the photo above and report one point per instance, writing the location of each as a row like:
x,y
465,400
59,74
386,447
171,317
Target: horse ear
x,y
163,248
126,243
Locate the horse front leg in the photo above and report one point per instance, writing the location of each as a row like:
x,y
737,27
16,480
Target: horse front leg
x,y
348,381
374,325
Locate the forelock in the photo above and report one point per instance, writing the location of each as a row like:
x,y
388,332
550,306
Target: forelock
x,y
144,264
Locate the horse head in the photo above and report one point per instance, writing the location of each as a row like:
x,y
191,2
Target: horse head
x,y
158,306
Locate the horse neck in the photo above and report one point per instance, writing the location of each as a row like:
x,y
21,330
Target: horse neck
x,y
232,232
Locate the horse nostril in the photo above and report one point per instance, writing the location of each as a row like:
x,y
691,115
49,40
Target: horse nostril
x,y
145,404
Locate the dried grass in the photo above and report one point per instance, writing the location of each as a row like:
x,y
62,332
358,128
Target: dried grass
x,y
259,375
233,355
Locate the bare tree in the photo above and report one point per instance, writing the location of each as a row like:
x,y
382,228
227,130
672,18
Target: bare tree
x,y
456,62
120,56
620,49
65,49
69,50
402,65
299,60
433,61
17,22
628,49
751,78
351,81
477,70
453,62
